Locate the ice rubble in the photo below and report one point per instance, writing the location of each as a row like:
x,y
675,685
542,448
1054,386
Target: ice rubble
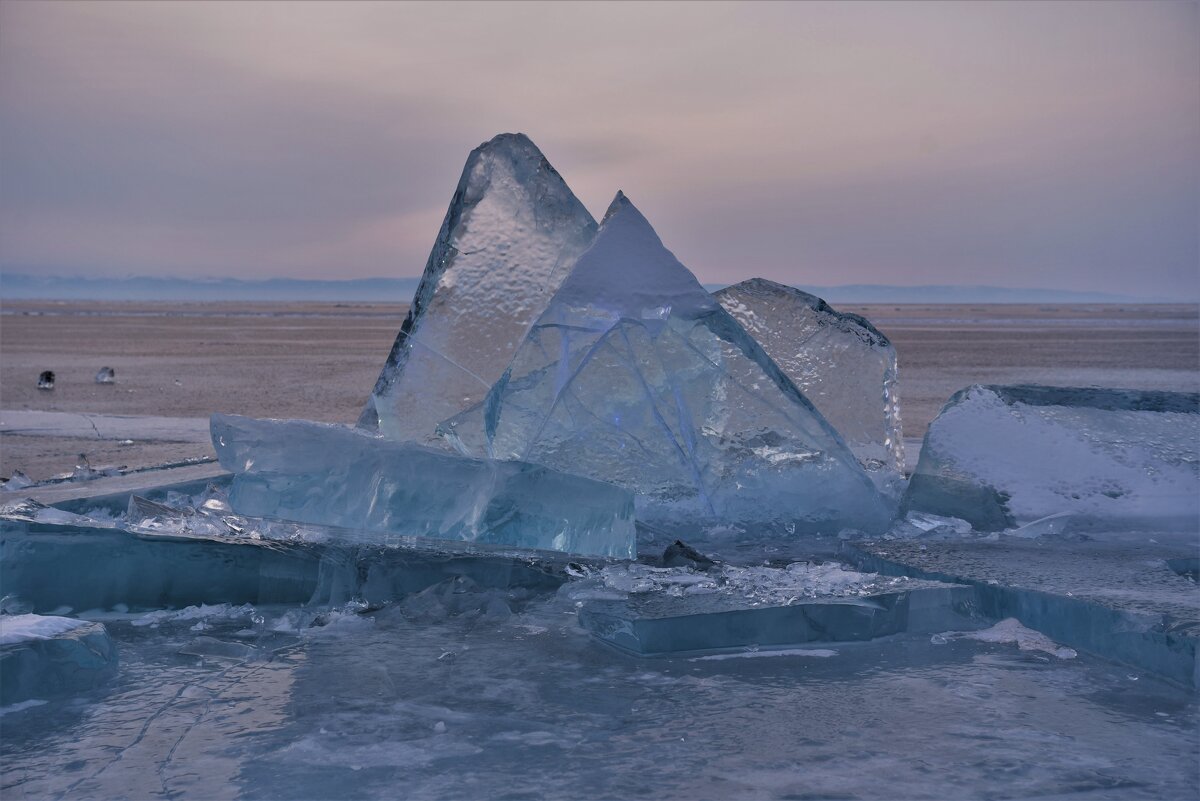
x,y
1001,457
43,656
511,233
338,476
635,375
841,363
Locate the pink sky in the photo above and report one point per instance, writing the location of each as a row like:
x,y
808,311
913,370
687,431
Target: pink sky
x,y
1050,145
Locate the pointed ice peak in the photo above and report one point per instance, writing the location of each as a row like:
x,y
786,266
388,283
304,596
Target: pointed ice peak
x,y
618,202
629,273
523,159
509,238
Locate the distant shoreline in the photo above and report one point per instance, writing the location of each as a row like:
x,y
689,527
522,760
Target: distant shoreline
x,y
25,286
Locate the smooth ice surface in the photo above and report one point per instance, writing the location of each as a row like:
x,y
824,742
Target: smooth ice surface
x,y
841,363
449,701
47,656
635,375
338,476
510,236
1005,456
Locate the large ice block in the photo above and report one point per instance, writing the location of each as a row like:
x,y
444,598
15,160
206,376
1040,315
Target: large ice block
x,y
1005,456
43,656
841,363
510,236
635,375
338,476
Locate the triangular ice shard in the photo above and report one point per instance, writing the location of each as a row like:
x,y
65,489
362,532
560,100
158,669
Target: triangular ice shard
x,y
841,363
635,375
510,236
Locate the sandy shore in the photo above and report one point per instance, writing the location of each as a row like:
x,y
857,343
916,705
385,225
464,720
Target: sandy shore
x,y
319,361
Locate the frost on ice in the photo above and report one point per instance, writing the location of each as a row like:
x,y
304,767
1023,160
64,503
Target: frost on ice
x,y
337,476
841,363
635,375
510,236
1002,457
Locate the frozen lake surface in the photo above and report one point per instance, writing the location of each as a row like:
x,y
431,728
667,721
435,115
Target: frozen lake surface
x,y
515,700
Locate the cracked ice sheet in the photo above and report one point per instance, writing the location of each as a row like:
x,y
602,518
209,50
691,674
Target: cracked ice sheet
x,y
467,705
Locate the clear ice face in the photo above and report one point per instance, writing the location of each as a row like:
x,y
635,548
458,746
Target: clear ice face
x,y
635,375
337,476
46,380
510,236
1002,457
841,363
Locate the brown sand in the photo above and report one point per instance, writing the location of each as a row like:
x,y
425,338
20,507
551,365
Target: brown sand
x,y
319,361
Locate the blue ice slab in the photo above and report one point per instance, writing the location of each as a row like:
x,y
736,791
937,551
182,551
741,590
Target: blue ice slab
x,y
648,612
43,657
1129,598
672,626
72,561
1006,456
338,476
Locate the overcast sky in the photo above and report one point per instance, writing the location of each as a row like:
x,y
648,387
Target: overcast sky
x,y
1015,144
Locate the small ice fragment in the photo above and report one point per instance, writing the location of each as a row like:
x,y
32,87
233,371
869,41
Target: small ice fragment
x,y
83,470
439,727
12,605
45,655
212,648
680,554
106,375
820,653
18,480
46,380
125,443
1011,631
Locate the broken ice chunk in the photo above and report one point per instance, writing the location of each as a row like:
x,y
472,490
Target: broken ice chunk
x,y
1002,457
43,656
18,480
106,375
46,380
680,611
635,375
841,363
512,232
332,475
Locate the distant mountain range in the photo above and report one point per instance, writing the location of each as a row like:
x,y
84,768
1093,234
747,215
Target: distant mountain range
x,y
18,286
